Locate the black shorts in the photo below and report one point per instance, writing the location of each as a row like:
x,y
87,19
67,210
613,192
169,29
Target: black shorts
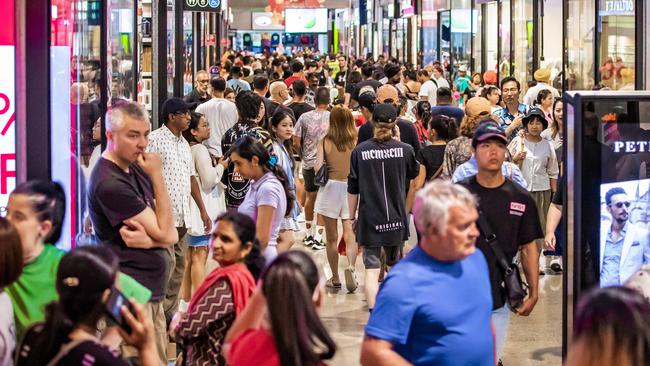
x,y
309,175
372,256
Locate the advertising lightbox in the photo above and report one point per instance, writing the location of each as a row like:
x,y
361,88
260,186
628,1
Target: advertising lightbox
x,y
305,20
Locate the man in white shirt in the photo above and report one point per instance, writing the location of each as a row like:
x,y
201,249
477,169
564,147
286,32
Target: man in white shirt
x,y
179,175
428,90
543,77
220,113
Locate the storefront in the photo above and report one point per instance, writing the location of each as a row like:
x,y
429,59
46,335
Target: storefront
x,y
605,41
73,59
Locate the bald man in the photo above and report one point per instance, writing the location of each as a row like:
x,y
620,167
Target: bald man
x,y
279,96
200,93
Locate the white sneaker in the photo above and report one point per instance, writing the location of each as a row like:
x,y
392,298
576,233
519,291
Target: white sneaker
x,y
351,282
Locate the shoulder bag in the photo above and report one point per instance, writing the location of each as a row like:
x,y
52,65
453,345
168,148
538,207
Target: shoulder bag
x,y
322,175
515,288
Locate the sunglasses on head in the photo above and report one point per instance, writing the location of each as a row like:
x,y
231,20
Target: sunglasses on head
x,y
620,204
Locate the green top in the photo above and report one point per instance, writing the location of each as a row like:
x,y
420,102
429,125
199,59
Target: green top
x,y
35,288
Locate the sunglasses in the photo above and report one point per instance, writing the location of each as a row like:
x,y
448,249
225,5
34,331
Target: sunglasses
x,y
620,204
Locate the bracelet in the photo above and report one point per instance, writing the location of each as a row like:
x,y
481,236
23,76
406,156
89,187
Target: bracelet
x,y
182,306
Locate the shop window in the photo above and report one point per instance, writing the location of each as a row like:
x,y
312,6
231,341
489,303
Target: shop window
x,y
505,68
616,52
477,34
491,37
580,30
551,45
523,42
75,103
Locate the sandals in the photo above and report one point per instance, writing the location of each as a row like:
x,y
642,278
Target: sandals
x,y
332,284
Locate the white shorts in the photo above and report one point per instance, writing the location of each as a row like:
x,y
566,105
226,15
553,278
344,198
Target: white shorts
x,y
332,200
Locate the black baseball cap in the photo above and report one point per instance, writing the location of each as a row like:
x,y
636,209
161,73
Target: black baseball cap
x,y
489,130
368,100
535,112
384,113
173,105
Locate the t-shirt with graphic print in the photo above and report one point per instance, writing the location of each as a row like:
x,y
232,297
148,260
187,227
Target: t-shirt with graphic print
x,y
311,127
236,185
382,169
512,215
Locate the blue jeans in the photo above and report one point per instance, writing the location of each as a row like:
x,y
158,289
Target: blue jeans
x,y
500,319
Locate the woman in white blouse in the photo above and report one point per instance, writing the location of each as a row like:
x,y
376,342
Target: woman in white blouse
x,y
536,157
212,193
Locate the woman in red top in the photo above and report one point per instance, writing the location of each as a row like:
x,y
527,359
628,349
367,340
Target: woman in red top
x,y
224,292
422,113
280,324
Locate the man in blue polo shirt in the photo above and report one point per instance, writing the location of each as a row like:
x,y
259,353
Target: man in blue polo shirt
x,y
435,305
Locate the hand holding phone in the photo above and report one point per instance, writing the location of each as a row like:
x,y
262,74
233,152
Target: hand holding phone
x,y
141,335
116,300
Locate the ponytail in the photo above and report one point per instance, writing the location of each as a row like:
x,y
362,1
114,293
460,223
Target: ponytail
x,y
284,180
52,335
48,202
247,147
383,131
289,284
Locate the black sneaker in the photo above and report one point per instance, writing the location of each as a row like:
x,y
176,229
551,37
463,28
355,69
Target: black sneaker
x,y
308,241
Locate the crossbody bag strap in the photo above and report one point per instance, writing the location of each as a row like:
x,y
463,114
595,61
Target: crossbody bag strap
x,y
437,173
493,244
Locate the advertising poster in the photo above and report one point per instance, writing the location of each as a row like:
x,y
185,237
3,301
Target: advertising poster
x,y
7,102
313,20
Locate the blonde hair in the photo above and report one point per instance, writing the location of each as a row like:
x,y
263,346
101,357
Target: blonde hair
x,y
342,132
383,131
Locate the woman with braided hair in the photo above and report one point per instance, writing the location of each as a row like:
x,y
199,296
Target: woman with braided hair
x,y
269,198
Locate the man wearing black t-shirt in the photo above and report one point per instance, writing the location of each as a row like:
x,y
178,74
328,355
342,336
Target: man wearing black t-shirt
x,y
512,215
379,171
298,104
131,210
408,135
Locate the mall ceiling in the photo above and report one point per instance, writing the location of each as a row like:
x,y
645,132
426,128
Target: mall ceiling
x,y
257,4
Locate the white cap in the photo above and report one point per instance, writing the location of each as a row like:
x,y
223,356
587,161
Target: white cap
x,y
462,68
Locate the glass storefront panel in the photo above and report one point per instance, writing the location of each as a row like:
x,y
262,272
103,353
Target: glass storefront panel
x,y
120,38
75,97
580,28
429,31
444,39
491,36
504,35
477,34
462,28
551,41
616,36
170,47
523,42
188,55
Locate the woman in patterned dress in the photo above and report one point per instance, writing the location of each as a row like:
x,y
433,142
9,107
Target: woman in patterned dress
x,y
223,294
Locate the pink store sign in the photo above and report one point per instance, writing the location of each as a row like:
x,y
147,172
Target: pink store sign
x,y
7,102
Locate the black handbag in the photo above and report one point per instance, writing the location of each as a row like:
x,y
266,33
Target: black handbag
x,y
515,287
322,175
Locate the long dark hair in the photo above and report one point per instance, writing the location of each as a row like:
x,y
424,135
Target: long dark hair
x,y
247,147
244,227
423,111
84,274
288,285
278,116
195,119
445,127
612,326
48,202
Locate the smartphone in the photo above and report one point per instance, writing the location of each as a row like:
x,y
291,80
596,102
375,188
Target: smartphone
x,y
133,289
114,308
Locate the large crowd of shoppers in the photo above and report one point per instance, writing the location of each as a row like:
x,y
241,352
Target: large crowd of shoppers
x,y
264,161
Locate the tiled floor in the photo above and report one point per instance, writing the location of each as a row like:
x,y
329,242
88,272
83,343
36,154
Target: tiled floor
x,y
533,340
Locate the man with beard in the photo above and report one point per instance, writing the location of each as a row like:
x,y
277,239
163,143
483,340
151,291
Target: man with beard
x,y
624,246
